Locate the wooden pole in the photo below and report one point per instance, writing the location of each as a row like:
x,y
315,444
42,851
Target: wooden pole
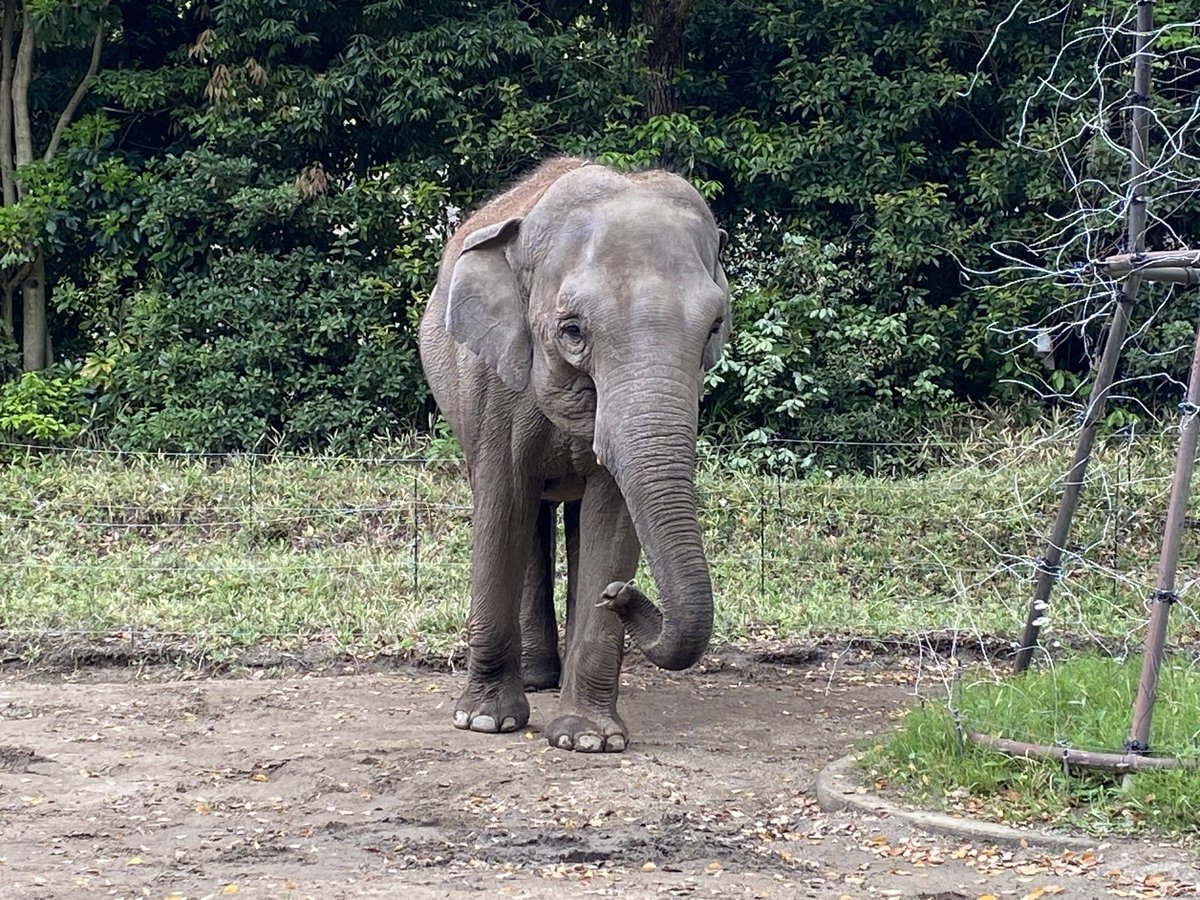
x,y
1048,565
1168,561
1083,759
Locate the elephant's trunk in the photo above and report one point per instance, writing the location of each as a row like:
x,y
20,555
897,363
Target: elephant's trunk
x,y
652,454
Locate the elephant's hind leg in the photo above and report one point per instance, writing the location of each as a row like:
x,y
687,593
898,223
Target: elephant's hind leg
x,y
540,664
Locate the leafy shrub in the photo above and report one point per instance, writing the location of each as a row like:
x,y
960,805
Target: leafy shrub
x,y
265,312
822,353
46,407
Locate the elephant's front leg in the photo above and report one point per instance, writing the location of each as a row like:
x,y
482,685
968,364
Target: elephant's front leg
x,y
505,514
608,551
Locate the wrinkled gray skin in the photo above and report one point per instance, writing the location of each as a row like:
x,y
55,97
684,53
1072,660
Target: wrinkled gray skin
x,y
566,343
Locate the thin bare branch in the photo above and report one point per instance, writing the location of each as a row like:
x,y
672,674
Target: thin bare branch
x,y
76,98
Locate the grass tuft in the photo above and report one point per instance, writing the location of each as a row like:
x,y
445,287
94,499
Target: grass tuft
x,y
1084,702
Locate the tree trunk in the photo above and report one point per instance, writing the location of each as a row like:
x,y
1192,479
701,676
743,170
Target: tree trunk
x,y
33,289
6,110
35,344
21,78
664,28
16,150
7,325
7,321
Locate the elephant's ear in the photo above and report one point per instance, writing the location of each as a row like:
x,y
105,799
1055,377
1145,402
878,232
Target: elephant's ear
x,y
485,311
716,342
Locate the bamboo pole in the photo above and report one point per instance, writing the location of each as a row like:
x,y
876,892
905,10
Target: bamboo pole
x,y
1121,264
1048,566
1168,562
1181,275
1083,759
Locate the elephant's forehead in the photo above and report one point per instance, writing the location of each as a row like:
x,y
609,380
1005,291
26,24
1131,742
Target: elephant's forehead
x,y
640,233
657,270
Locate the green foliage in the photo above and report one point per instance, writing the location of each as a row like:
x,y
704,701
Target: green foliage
x,y
869,155
47,407
1086,703
267,312
823,351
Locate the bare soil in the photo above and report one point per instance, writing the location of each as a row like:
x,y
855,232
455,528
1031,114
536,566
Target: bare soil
x,y
126,783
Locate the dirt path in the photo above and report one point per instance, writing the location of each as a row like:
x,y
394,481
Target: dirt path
x,y
357,786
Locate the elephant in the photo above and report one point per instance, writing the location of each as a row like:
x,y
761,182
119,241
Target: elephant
x,y
566,342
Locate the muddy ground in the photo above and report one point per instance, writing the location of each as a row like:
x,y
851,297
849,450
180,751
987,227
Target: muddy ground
x,y
341,785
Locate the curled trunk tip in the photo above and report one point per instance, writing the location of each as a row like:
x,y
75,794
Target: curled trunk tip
x,y
662,645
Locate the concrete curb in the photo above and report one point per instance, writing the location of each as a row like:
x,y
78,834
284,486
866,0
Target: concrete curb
x,y
838,788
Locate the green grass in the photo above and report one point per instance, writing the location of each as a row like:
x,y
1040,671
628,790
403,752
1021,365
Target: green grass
x,y
1083,702
372,555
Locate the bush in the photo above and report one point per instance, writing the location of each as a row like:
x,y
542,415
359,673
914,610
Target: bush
x,y
822,353
46,407
262,312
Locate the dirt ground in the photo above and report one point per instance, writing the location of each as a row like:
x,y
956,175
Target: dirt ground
x,y
344,785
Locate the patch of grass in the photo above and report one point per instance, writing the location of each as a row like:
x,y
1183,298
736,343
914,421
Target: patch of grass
x,y
373,554
1084,702
233,552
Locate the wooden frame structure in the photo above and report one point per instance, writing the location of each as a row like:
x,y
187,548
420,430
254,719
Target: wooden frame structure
x,y
1180,267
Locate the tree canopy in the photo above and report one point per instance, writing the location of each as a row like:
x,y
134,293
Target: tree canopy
x,y
232,211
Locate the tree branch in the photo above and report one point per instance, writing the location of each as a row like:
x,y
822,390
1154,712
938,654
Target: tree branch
x,y
6,110
80,92
19,276
22,76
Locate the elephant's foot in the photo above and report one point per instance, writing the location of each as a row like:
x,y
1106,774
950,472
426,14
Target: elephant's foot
x,y
589,733
492,706
540,670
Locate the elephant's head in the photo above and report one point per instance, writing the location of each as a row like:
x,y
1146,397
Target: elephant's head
x,y
607,302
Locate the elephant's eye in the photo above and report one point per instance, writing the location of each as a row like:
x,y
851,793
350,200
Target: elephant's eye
x,y
716,328
571,330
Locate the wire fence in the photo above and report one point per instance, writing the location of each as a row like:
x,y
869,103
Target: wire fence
x,y
373,553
